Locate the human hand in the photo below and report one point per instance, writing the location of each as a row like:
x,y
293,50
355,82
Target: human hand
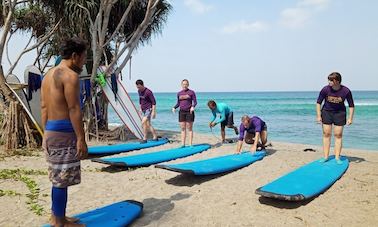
x,y
191,109
212,124
319,119
173,110
349,121
81,149
153,114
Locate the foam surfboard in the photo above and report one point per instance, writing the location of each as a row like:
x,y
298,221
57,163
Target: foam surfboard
x,y
123,105
115,215
305,182
35,101
25,107
124,147
216,165
155,157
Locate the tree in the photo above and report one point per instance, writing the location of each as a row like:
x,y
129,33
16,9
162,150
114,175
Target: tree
x,y
114,27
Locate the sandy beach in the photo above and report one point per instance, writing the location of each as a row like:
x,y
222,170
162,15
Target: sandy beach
x,y
172,199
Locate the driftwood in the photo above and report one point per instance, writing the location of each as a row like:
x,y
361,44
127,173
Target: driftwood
x,y
16,128
121,133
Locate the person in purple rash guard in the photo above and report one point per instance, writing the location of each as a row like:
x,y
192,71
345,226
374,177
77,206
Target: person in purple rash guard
x,y
187,101
334,113
253,126
147,108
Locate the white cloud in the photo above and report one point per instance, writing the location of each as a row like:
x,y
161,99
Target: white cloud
x,y
298,17
295,17
244,26
198,6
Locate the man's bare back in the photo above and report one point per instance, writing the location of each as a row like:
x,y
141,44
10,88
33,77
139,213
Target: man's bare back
x,y
53,91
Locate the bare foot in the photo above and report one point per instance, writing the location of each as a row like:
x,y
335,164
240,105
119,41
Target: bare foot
x,y
72,219
54,221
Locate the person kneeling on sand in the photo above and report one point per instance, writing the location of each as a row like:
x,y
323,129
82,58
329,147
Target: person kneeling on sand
x,y
226,117
252,130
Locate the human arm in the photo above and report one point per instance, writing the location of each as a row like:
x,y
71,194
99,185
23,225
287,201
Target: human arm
x,y
255,142
153,113
318,113
177,103
239,146
351,114
321,97
194,102
214,115
222,116
44,116
350,101
71,94
153,101
240,139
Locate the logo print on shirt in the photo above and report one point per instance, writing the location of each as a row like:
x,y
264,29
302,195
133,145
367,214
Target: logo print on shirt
x,y
183,97
334,99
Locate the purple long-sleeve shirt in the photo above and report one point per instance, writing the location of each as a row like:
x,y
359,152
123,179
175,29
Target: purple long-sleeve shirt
x,y
334,100
186,99
255,125
146,99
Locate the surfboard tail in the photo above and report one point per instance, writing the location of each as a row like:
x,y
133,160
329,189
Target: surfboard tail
x,y
102,161
184,171
297,197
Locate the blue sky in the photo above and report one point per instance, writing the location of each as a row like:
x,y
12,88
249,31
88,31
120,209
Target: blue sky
x,y
251,45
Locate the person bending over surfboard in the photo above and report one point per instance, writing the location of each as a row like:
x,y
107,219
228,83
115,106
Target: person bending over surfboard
x,y
226,117
333,112
252,131
64,140
147,108
186,100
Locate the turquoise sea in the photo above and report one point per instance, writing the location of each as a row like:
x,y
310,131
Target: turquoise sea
x,y
290,116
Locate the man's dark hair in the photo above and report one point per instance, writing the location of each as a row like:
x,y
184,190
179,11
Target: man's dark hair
x,y
72,45
211,103
335,76
139,82
185,80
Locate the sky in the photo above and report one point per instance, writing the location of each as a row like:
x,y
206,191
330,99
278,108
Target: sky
x,y
250,45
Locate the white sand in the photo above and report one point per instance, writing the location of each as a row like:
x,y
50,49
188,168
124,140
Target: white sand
x,y
172,199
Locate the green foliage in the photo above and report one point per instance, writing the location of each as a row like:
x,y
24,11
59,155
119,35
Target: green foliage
x,y
32,18
23,176
40,16
8,193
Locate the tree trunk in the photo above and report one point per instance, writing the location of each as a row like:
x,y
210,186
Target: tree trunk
x,y
4,89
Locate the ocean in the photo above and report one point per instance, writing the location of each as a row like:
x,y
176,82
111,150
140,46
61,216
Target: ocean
x,y
290,116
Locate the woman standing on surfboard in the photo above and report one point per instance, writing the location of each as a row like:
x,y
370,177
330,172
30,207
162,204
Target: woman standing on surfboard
x,y
186,100
333,112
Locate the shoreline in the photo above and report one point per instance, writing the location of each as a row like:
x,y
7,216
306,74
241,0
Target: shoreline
x,y
172,199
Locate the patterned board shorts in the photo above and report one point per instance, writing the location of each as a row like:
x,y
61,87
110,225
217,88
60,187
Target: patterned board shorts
x,y
147,113
61,155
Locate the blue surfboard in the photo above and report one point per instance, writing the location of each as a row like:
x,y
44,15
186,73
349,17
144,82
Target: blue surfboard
x,y
115,215
305,182
154,157
216,165
124,147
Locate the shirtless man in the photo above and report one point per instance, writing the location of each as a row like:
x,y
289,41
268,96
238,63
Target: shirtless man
x,y
63,139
